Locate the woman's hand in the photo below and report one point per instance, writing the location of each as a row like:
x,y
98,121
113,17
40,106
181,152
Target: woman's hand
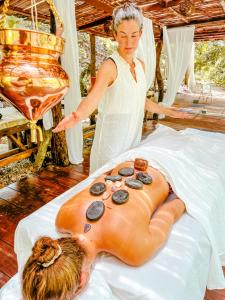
x,y
172,112
67,122
175,113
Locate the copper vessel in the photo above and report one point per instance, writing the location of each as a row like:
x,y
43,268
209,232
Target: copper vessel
x,y
31,77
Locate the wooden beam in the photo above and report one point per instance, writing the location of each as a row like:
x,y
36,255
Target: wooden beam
x,y
15,129
36,4
214,19
179,15
100,5
9,153
22,155
17,142
158,6
22,13
95,23
211,29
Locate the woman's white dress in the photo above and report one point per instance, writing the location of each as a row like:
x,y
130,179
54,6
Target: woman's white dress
x,y
120,114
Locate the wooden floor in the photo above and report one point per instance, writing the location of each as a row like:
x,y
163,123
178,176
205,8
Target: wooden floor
x,y
20,199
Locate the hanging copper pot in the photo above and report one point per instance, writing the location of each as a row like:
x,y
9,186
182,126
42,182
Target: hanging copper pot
x,y
31,78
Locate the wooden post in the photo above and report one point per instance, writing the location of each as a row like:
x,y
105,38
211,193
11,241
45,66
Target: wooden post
x,y
59,146
158,71
93,55
93,71
186,77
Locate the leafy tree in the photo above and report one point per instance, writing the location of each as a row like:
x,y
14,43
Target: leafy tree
x,y
210,61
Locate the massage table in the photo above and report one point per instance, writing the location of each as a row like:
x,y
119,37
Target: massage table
x,y
178,271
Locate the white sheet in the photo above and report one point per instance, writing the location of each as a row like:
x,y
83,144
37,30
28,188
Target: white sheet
x,y
179,271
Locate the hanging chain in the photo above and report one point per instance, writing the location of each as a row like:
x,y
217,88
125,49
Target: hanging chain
x,y
55,13
4,12
50,2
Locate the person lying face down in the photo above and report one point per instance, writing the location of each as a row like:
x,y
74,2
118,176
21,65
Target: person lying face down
x,y
124,213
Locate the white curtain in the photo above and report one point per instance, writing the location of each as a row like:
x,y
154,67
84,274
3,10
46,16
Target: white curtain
x,y
70,63
178,46
191,69
146,51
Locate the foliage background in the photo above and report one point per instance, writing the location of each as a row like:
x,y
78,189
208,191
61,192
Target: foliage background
x,y
210,62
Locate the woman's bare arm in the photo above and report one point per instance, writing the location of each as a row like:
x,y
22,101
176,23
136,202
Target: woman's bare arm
x,y
105,77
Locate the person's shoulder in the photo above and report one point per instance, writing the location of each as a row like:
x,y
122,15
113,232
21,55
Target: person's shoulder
x,y
108,69
109,64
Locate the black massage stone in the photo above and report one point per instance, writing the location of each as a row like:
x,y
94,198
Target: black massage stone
x,y
144,177
134,183
95,210
97,188
113,178
120,197
126,171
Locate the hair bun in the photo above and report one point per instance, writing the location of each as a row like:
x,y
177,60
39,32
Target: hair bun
x,y
45,250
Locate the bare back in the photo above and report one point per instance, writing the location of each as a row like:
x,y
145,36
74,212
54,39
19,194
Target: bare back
x,y
123,229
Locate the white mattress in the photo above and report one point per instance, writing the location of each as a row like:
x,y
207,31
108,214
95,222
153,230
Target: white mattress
x,y
179,271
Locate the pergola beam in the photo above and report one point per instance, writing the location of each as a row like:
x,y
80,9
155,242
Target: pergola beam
x,y
95,23
214,19
179,15
24,13
159,6
100,5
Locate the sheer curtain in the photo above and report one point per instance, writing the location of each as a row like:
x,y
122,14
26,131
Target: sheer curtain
x,y
70,63
178,46
146,51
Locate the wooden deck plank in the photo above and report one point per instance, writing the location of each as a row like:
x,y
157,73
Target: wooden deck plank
x,y
25,196
62,178
214,295
8,261
30,200
3,279
9,217
47,185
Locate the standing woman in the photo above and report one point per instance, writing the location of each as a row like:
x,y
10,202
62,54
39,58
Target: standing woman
x,y
119,93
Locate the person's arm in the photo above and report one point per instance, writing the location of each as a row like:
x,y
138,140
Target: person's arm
x,y
158,109
168,111
106,75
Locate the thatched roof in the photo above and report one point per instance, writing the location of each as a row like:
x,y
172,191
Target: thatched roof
x,y
94,16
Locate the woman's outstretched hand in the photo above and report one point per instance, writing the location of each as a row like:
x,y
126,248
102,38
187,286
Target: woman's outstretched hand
x,y
179,113
67,122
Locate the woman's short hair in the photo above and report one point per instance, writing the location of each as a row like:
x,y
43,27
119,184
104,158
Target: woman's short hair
x,y
53,270
128,11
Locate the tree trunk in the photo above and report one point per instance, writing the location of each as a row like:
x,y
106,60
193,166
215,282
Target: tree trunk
x,y
42,149
58,145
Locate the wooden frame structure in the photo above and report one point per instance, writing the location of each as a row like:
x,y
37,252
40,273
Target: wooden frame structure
x,y
94,16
